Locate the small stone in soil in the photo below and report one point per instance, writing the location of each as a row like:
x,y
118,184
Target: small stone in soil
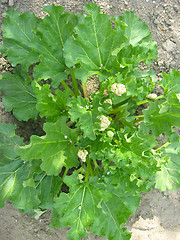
x,y
4,1
11,3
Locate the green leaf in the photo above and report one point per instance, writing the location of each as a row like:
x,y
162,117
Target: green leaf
x,y
93,206
79,207
93,44
8,140
86,116
27,199
52,35
135,30
138,45
171,82
17,36
11,178
18,95
168,178
50,105
13,172
24,183
55,148
109,224
47,188
162,115
133,156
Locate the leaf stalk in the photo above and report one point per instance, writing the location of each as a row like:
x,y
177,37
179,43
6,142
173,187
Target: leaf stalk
x,y
85,90
75,84
149,100
66,86
89,170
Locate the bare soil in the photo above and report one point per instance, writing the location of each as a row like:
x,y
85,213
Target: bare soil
x,y
158,215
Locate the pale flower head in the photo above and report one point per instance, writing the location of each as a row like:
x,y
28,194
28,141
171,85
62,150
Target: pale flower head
x,y
110,134
104,122
118,89
80,176
82,154
152,96
108,101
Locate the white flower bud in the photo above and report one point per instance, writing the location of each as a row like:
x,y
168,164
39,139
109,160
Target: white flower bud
x,y
82,154
108,101
110,134
152,96
178,96
104,122
80,176
118,89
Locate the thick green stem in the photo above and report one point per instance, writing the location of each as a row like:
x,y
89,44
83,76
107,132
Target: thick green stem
x,y
117,107
66,86
139,116
75,84
100,88
85,90
116,110
89,170
149,100
95,164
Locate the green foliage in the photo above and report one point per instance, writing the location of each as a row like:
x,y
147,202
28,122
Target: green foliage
x,y
97,155
17,36
18,95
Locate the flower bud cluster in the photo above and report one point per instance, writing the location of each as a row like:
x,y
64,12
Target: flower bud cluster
x,y
80,176
104,122
82,154
152,96
110,134
108,101
118,89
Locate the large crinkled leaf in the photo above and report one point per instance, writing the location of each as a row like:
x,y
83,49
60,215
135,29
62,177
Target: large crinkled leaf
x,y
50,105
135,30
168,178
17,35
130,56
23,182
13,172
28,189
7,141
93,44
125,198
47,188
162,115
115,212
171,81
86,116
138,45
79,207
18,95
52,35
140,83
96,207
133,154
27,199
12,176
56,148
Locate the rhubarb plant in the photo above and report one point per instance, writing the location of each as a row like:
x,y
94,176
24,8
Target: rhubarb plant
x,y
99,152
